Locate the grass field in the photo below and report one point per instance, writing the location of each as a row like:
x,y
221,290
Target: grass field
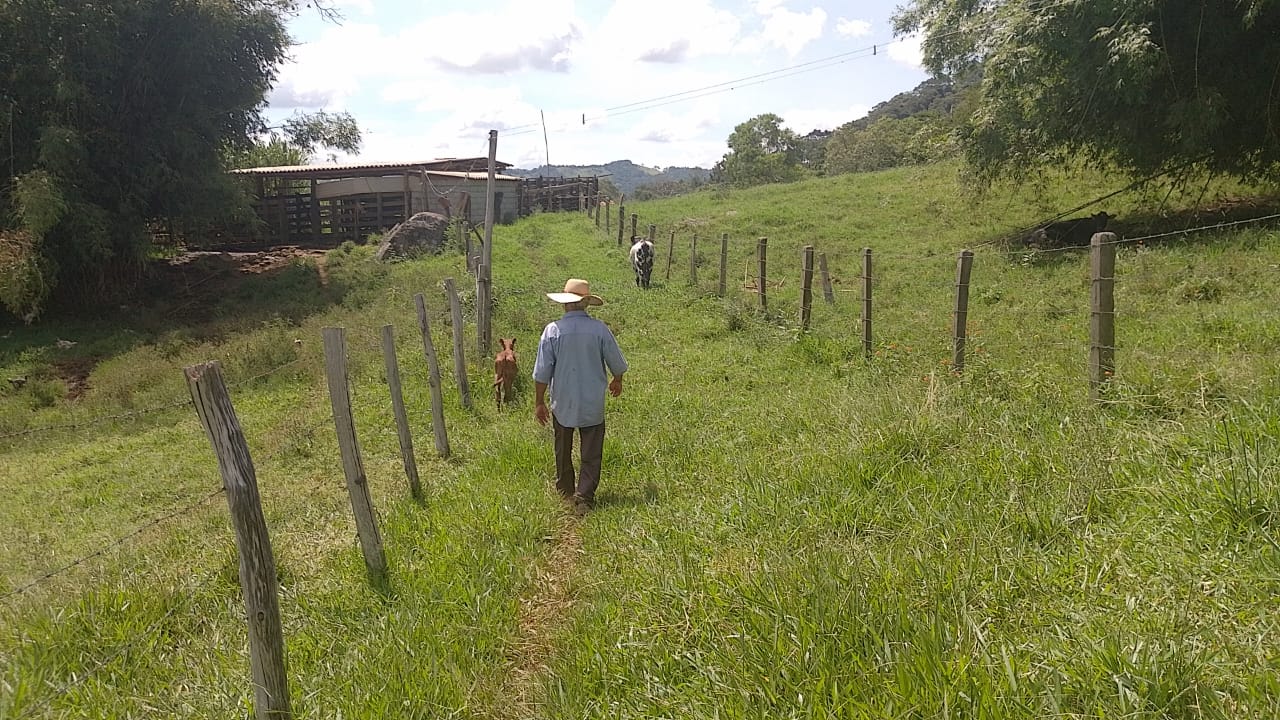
x,y
785,529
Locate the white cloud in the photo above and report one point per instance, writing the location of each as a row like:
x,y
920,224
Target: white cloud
x,y
907,51
805,121
364,7
785,29
664,31
853,28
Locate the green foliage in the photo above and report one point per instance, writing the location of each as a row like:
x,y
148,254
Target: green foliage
x,y
760,151
123,113
1145,85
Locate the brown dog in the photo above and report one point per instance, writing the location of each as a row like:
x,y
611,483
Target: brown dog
x,y
504,371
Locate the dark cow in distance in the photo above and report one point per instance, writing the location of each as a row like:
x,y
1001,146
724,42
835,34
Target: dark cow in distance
x,y
1075,232
642,260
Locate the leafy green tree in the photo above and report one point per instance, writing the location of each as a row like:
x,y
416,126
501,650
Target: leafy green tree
x,y
116,113
760,151
889,142
1140,84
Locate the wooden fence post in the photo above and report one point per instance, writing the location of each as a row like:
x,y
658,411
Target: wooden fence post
x,y
960,321
597,212
1102,315
484,310
724,264
622,221
335,363
257,562
806,288
397,406
693,260
433,378
634,219
761,256
828,294
459,353
671,253
608,216
466,242
866,302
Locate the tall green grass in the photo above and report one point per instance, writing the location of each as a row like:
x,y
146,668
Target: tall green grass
x,y
785,529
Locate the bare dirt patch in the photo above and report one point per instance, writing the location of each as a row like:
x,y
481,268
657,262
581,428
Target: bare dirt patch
x,y
75,373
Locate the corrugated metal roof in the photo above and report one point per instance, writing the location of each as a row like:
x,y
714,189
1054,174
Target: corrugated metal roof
x,y
332,168
472,175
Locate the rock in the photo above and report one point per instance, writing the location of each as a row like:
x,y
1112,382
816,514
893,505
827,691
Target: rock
x,y
423,233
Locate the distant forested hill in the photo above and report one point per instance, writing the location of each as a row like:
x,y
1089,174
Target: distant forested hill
x,y
624,174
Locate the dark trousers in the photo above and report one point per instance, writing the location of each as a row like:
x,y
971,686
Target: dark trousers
x,y
592,451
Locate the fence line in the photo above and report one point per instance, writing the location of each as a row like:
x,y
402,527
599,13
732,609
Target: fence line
x,y
137,413
81,678
157,520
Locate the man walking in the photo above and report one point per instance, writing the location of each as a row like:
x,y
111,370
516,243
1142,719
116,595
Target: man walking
x,y
573,355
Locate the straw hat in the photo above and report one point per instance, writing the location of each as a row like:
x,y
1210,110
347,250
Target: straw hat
x,y
576,290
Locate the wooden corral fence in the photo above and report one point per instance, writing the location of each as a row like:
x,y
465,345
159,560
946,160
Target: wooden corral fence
x,y
558,194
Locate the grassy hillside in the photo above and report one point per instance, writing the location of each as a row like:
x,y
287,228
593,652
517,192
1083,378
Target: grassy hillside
x,y
784,529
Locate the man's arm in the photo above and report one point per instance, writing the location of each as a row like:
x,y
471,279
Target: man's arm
x,y
614,361
540,412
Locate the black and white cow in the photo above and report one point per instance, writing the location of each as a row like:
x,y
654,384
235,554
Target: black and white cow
x,y
642,260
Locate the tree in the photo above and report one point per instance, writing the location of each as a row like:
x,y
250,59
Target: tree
x,y
1144,85
889,142
760,151
118,113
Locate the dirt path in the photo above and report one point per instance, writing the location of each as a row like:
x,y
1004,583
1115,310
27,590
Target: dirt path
x,y
544,610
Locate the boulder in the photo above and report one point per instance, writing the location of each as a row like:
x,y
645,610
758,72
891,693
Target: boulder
x,y
425,232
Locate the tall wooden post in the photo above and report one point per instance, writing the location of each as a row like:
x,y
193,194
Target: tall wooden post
x,y
762,248
315,214
257,562
622,221
608,216
827,293
598,210
634,219
484,301
806,288
1102,313
433,378
459,357
671,253
693,260
724,264
397,407
960,321
335,365
866,302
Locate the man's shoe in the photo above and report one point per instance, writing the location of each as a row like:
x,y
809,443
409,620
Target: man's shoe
x,y
581,505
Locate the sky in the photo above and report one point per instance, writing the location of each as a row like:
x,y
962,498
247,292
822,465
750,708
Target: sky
x,y
659,82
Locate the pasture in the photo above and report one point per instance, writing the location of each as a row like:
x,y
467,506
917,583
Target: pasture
x,y
784,528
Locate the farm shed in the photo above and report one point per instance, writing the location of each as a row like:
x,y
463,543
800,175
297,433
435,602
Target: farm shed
x,y
326,205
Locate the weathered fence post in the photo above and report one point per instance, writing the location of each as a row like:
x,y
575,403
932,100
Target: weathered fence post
x,y
960,322
671,253
484,307
608,216
653,233
761,257
724,263
597,212
806,288
1102,315
459,353
397,406
634,219
866,302
433,378
257,562
622,221
693,260
828,294
466,248
335,364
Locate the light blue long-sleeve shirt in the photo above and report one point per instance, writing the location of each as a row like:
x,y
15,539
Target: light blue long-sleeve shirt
x,y
573,355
